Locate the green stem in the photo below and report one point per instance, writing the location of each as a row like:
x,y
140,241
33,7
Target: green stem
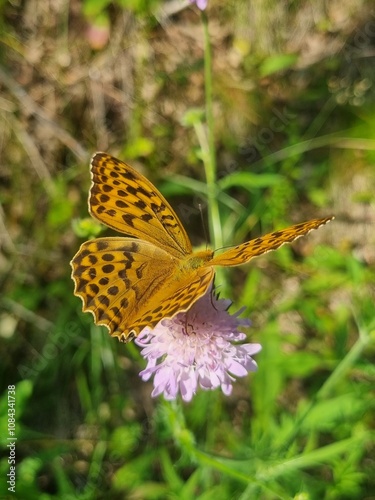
x,y
338,374
344,366
209,156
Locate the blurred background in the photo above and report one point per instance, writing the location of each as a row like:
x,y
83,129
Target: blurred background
x,y
294,102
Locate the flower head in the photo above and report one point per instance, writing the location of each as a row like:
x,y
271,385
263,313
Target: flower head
x,y
196,349
201,4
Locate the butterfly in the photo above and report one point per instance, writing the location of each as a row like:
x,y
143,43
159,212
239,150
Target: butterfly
x,y
131,282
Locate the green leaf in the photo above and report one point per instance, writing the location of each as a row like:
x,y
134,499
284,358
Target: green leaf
x,y
276,63
87,227
192,117
139,147
92,8
249,180
124,439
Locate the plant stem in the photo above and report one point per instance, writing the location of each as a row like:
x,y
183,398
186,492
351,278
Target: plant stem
x,y
209,156
337,375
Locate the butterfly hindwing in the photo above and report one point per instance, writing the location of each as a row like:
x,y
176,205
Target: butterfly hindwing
x,y
177,296
117,277
128,284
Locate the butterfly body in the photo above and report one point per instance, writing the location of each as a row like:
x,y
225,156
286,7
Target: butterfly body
x,y
128,283
196,260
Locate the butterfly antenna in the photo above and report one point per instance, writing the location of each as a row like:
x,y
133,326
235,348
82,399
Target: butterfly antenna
x,y
203,224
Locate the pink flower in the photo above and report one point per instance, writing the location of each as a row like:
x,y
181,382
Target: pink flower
x,y
196,349
201,4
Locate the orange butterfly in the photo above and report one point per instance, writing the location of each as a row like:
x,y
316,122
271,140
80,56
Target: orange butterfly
x,y
127,283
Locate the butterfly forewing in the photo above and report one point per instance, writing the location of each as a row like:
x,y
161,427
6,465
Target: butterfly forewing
x,y
241,254
126,201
